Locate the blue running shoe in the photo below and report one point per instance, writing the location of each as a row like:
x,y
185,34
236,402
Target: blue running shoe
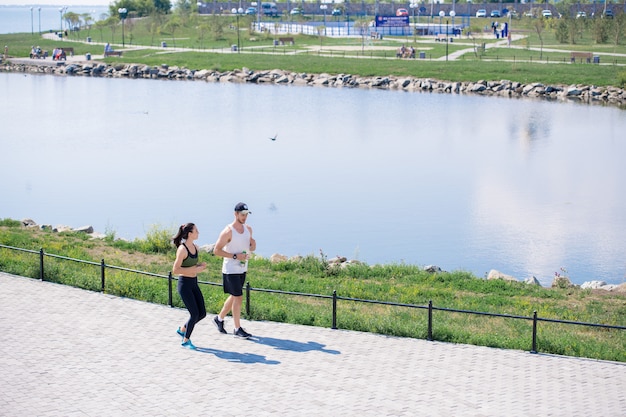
x,y
180,333
188,345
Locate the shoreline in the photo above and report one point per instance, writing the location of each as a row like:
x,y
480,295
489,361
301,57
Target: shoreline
x,y
559,281
579,93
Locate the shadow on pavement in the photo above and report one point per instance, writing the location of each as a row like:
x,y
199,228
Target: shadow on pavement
x,y
238,357
292,345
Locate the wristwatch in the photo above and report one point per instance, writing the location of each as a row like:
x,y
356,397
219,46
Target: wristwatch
x,y
235,256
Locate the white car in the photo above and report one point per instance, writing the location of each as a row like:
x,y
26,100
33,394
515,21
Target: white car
x,y
481,13
581,14
546,13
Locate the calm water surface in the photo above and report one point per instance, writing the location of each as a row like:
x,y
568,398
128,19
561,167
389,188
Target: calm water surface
x,y
472,183
18,19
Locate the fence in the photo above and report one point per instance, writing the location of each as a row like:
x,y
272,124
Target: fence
x,y
334,297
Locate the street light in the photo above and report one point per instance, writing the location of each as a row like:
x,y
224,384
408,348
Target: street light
x,y
39,10
413,5
452,14
447,39
32,28
61,11
324,7
441,15
237,12
123,13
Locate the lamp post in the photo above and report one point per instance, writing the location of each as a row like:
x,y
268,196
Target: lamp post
x,y
32,28
237,12
39,10
441,15
61,11
413,5
447,39
324,7
123,13
452,14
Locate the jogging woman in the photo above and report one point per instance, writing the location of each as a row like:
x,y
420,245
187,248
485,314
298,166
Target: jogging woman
x,y
186,266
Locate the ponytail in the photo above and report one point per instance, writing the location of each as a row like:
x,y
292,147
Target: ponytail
x,y
183,233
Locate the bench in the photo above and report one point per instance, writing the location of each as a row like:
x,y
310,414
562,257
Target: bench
x,y
582,55
376,35
288,39
68,51
440,37
112,53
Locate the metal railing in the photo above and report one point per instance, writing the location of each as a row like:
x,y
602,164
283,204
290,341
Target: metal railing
x,y
334,297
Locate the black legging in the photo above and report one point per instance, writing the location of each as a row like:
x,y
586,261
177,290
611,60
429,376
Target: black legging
x,y
194,301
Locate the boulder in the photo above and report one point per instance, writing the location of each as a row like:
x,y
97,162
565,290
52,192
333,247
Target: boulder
x,y
277,257
337,260
210,248
493,274
562,282
29,222
84,229
593,284
432,269
532,281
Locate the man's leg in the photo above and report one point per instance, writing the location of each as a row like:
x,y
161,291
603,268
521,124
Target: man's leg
x,y
228,305
236,304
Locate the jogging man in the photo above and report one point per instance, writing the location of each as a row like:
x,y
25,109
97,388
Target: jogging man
x,y
234,245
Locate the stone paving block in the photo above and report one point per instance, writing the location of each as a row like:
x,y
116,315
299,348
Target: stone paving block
x,y
72,352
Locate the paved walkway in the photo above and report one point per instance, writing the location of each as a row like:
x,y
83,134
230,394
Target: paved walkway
x,y
70,352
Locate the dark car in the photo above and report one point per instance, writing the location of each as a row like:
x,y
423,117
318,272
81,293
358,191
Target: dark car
x,y
608,14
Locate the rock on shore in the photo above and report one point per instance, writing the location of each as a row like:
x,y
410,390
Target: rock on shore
x,y
504,88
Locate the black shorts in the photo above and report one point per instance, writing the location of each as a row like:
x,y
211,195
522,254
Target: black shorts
x,y
233,284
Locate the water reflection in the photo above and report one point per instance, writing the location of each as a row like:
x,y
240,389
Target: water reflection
x,y
463,182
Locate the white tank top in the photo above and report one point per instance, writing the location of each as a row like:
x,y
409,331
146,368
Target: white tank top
x,y
239,242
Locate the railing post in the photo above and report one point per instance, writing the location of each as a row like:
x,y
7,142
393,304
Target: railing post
x,y
430,320
41,264
248,299
169,289
334,310
102,268
534,349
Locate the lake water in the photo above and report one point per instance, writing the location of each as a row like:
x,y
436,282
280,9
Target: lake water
x,y
44,18
463,182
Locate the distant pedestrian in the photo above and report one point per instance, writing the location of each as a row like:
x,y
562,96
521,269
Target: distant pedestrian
x,y
234,244
186,266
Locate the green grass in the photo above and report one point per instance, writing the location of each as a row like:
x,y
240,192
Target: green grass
x,y
211,50
394,283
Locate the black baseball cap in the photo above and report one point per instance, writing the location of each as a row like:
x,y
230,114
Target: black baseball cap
x,y
242,207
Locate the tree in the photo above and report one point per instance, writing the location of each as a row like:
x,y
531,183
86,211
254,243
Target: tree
x,y
539,25
86,17
163,6
362,26
619,26
172,26
113,22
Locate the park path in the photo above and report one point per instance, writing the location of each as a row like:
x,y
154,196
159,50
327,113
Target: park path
x,y
71,352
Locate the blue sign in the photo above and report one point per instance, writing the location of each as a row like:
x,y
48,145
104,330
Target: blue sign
x,y
392,21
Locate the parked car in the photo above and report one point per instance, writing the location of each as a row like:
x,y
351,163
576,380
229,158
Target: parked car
x,y
269,9
336,12
402,12
546,13
296,11
608,14
580,15
250,11
495,13
481,13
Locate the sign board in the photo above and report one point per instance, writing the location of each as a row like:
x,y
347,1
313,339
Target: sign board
x,y
392,21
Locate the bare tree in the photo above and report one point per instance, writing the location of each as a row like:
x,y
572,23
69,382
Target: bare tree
x,y
539,26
